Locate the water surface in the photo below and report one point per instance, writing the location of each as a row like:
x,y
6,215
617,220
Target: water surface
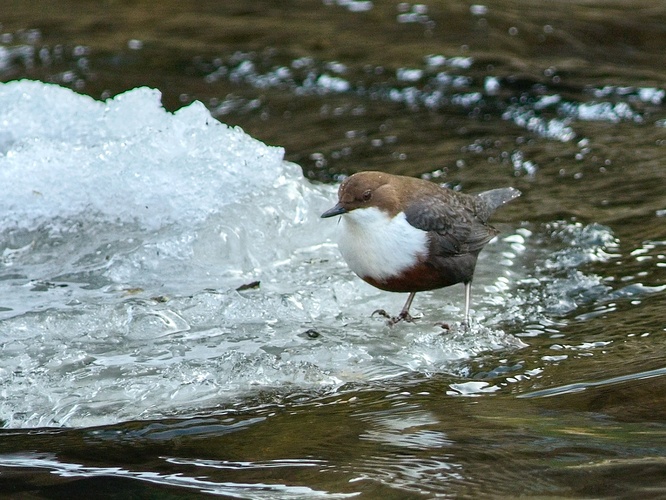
x,y
130,374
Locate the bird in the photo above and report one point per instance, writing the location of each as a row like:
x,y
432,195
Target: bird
x,y
408,235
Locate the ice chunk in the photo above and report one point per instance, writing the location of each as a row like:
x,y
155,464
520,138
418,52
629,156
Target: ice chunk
x,y
124,160
153,263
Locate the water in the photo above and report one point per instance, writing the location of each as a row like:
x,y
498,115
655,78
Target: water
x,y
174,314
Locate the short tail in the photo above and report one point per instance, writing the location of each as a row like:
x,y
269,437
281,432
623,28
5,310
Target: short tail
x,y
489,201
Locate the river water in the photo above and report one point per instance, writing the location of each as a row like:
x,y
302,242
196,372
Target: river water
x,y
175,320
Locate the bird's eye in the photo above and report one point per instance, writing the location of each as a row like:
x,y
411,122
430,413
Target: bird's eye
x,y
367,195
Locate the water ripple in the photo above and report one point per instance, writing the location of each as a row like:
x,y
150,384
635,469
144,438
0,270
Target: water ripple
x,y
235,490
582,386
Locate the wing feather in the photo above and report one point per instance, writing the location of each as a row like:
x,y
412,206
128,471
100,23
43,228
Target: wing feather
x,y
452,223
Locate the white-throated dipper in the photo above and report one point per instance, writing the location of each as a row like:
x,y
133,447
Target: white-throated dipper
x,y
403,234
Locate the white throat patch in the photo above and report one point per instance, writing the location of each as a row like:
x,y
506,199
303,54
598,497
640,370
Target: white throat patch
x,y
378,246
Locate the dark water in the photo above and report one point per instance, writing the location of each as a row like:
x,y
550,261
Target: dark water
x,y
564,101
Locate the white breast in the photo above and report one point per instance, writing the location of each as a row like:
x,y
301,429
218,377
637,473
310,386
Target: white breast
x,y
378,246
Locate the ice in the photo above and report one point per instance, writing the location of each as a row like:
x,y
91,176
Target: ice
x,y
156,263
122,160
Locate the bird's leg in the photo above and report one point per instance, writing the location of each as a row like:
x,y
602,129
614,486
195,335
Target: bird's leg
x,y
468,300
404,313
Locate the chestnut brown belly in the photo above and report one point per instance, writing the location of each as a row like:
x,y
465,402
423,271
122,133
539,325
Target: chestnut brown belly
x,y
429,275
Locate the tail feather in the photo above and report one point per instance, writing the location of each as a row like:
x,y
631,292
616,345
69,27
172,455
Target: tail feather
x,y
489,201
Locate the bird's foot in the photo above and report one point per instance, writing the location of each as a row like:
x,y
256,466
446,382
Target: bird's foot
x,y
403,316
464,325
381,312
392,320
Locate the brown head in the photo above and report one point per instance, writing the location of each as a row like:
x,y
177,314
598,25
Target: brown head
x,y
367,189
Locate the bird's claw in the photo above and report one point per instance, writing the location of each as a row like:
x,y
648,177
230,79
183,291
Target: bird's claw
x,y
392,320
381,312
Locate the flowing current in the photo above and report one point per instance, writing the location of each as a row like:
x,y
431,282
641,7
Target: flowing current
x,y
175,318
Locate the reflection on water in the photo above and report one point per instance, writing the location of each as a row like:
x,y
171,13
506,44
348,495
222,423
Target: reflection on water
x,y
560,392
581,386
199,484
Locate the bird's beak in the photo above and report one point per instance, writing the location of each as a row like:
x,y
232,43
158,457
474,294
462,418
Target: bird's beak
x,y
336,210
